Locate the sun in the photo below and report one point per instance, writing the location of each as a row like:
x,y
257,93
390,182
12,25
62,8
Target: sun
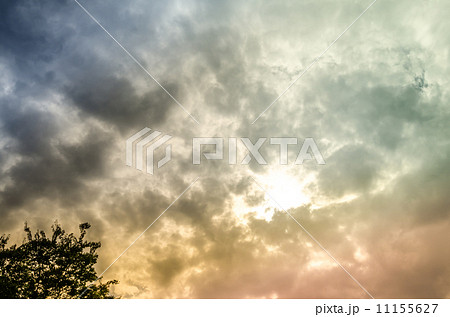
x,y
284,189
281,188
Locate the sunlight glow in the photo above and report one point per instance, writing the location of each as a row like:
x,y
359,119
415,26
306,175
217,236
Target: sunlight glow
x,y
287,190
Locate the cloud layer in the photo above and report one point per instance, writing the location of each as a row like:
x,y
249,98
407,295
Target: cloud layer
x,y
376,103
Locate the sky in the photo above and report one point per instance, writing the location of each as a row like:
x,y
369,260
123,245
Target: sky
x,y
376,103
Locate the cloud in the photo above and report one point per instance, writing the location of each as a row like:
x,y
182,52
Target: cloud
x,y
342,176
116,102
376,103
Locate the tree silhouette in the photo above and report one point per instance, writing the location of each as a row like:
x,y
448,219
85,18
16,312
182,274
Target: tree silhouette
x,y
59,267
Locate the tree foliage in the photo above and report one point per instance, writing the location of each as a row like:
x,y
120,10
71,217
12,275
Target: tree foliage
x,y
61,266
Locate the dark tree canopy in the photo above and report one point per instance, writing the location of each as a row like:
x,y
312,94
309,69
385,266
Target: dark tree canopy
x,y
58,267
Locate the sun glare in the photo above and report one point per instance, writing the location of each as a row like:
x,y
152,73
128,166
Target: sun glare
x,y
287,190
281,189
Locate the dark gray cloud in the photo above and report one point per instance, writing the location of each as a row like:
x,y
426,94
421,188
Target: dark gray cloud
x,y
57,173
116,102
